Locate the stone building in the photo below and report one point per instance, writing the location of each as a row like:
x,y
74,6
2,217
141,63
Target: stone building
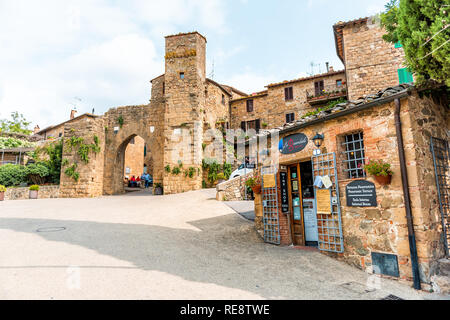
x,y
184,104
371,64
318,193
284,102
354,134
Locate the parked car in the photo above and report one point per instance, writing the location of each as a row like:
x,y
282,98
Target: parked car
x,y
242,170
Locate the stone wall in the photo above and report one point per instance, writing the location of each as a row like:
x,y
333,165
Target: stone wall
x,y
427,119
215,110
271,107
232,190
371,63
45,192
90,182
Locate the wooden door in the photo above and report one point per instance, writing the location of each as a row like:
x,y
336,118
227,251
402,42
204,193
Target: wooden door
x,y
296,206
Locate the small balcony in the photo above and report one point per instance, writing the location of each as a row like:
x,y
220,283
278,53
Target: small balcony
x,y
316,98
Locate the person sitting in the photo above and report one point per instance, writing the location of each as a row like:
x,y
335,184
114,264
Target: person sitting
x,y
133,182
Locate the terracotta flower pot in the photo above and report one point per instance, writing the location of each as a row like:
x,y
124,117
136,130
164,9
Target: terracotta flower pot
x,y
256,189
33,194
2,196
384,180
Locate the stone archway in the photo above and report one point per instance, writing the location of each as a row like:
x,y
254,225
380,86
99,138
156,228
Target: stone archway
x,y
135,121
118,174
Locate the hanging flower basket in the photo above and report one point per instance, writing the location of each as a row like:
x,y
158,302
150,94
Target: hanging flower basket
x,y
257,189
383,180
380,170
254,183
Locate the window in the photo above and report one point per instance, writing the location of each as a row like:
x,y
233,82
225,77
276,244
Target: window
x,y
223,99
249,105
60,134
354,155
339,83
249,125
164,88
289,94
181,75
319,87
132,141
290,117
404,76
398,45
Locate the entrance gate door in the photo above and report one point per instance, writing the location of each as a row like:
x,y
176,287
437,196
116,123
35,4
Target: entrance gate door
x,y
270,208
441,159
329,225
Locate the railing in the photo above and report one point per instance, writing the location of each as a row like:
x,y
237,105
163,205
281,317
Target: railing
x,y
326,95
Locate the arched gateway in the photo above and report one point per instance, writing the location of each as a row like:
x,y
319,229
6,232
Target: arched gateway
x,y
183,103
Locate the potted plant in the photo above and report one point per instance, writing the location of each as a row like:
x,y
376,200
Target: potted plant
x,y
380,170
34,190
2,192
158,190
255,184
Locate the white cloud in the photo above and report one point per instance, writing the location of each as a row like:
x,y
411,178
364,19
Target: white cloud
x,y
250,82
375,9
101,51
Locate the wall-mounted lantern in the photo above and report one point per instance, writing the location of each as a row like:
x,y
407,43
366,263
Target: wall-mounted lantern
x,y
318,140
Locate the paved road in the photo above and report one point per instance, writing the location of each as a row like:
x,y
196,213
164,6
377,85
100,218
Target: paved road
x,y
244,208
187,246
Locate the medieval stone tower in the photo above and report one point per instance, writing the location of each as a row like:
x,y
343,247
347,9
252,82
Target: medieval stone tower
x,y
184,92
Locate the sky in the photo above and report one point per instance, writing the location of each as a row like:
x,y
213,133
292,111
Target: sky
x,y
98,54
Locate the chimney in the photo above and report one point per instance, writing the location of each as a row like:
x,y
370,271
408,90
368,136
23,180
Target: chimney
x,y
72,114
36,129
331,69
328,66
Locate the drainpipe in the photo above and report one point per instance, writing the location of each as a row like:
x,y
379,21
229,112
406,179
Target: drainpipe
x,y
405,184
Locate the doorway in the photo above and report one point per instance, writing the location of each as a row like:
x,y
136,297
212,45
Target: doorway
x,y
303,215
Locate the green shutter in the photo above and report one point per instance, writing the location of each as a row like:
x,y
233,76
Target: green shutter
x,y
404,76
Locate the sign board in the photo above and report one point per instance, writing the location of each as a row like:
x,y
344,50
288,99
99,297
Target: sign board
x,y
269,181
323,198
361,193
294,143
284,192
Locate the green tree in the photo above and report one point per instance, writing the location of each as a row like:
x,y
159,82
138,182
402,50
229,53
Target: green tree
x,y
422,27
17,124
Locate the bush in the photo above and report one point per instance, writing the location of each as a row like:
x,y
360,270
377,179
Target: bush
x,y
34,187
37,172
54,152
12,175
11,143
2,188
221,176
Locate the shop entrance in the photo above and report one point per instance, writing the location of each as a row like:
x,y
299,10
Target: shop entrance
x,y
303,215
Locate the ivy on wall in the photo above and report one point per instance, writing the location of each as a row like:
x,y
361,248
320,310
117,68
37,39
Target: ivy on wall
x,y
214,169
177,170
83,150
